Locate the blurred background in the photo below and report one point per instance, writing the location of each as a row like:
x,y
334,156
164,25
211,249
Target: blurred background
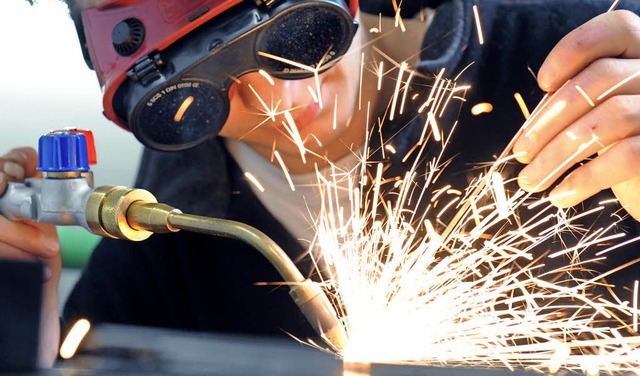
x,y
45,84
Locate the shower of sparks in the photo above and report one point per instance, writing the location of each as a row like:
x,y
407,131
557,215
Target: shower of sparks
x,y
407,292
421,272
315,71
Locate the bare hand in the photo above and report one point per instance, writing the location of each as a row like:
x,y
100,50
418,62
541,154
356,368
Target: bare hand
x,y
23,240
594,73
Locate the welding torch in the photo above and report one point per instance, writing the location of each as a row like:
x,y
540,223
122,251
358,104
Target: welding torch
x,y
65,196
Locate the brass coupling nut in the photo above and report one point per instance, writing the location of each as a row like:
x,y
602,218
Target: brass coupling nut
x,y
106,212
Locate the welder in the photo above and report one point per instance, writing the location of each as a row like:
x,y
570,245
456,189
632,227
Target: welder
x,y
209,87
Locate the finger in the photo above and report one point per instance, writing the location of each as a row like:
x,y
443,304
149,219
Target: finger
x,y
612,34
3,182
599,173
589,89
626,192
7,251
19,163
52,265
39,239
612,121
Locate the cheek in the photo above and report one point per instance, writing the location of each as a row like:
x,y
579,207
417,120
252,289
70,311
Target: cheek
x,y
343,93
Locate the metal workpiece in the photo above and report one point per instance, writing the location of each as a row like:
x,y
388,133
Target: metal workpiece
x,y
55,200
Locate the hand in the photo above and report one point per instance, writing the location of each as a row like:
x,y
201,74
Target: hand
x,y
22,240
585,66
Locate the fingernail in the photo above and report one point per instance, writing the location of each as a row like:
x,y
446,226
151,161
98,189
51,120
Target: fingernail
x,y
527,178
545,77
521,156
14,170
521,149
561,196
52,245
544,84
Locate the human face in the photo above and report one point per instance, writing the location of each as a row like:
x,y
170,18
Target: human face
x,y
322,118
327,123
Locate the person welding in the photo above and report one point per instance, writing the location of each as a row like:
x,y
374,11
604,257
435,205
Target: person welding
x,y
209,87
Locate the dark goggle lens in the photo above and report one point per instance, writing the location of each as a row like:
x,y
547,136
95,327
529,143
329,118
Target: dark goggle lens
x,y
185,110
311,36
179,115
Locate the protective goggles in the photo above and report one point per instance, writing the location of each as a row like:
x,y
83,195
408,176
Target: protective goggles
x,y
166,66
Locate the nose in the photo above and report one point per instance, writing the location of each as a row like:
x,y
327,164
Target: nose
x,y
258,90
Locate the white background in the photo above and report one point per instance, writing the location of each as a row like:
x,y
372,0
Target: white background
x,y
45,84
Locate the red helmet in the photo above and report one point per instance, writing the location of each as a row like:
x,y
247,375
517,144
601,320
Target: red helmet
x,y
165,66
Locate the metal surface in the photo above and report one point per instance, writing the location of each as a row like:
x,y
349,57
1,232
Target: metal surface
x,y
114,349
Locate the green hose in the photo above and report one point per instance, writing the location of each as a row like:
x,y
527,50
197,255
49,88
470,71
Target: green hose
x,y
77,245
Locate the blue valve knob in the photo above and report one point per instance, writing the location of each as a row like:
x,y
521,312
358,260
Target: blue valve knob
x,y
63,152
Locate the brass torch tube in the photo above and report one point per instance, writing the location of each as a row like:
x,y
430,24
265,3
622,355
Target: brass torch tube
x,y
240,231
147,216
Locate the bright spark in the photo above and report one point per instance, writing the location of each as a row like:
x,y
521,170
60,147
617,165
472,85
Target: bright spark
x,y
522,105
585,95
267,77
285,170
614,87
71,342
613,6
292,130
481,108
396,92
183,108
271,112
253,180
476,16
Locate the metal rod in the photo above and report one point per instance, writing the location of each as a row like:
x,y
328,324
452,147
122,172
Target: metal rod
x,y
240,231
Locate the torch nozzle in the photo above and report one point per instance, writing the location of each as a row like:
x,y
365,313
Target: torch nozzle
x,y
134,214
318,310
